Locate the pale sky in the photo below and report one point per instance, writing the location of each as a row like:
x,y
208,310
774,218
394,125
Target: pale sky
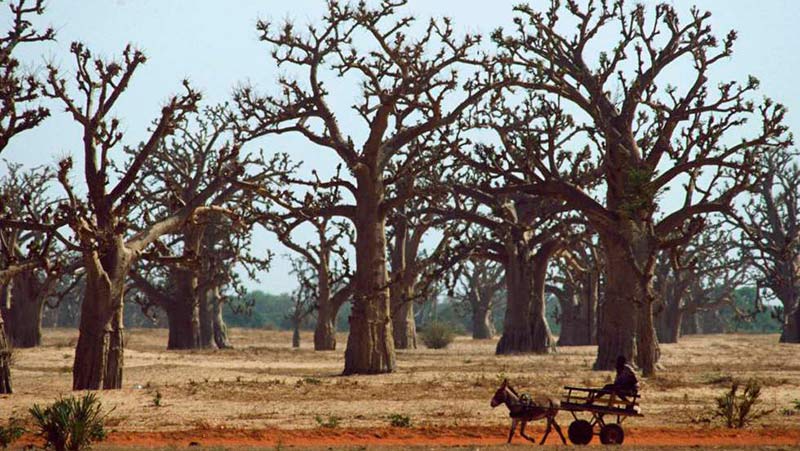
x,y
214,44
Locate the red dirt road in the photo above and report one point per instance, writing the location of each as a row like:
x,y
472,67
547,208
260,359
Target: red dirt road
x,y
451,436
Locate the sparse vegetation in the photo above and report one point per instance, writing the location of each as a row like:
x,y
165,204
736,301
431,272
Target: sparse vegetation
x,y
331,422
11,432
157,398
738,409
438,335
399,420
71,424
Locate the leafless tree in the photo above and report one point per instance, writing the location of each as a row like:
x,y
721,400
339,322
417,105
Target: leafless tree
x,y
199,260
770,238
410,90
19,112
100,222
479,292
701,276
327,257
577,286
651,136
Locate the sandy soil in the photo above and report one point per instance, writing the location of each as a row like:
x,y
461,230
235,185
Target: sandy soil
x,y
265,393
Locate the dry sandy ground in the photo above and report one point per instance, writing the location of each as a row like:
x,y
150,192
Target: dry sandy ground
x,y
275,395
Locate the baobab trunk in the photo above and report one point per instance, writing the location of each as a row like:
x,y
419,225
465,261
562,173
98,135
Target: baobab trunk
x,y
540,331
404,325
517,337
206,317
5,359
668,322
616,331
325,330
370,345
24,318
99,353
183,312
218,322
482,324
578,313
296,334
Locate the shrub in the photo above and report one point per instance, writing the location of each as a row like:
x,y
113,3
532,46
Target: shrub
x,y
11,432
157,398
71,424
400,421
738,410
437,335
331,423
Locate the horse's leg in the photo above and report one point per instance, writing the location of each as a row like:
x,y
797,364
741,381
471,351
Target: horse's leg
x,y
558,429
546,431
522,432
513,428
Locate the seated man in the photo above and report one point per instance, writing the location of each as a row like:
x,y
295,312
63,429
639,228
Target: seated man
x,y
626,383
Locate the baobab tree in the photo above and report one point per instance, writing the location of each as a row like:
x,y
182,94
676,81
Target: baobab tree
x,y
410,88
331,284
698,277
770,237
100,223
576,286
527,229
19,112
181,168
478,292
651,136
32,255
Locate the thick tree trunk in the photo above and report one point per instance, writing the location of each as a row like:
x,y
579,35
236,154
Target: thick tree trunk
x,y
517,332
218,322
578,313
5,359
183,326
24,318
370,345
404,325
543,341
183,311
99,353
325,330
668,322
616,332
206,317
691,324
791,327
296,334
482,324
403,255
647,349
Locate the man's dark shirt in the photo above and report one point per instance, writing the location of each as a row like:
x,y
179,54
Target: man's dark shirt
x,y
626,379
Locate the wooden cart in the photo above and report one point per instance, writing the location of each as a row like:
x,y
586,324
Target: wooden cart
x,y
603,406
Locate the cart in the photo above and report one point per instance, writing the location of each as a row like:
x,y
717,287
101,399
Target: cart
x,y
603,406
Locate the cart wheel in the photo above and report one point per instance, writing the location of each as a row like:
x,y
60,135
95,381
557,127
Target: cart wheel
x,y
612,434
580,432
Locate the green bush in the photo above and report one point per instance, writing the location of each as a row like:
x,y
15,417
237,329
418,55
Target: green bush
x,y
400,421
71,424
738,410
331,423
438,335
11,432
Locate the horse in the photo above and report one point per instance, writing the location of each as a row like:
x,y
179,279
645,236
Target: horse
x,y
523,409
